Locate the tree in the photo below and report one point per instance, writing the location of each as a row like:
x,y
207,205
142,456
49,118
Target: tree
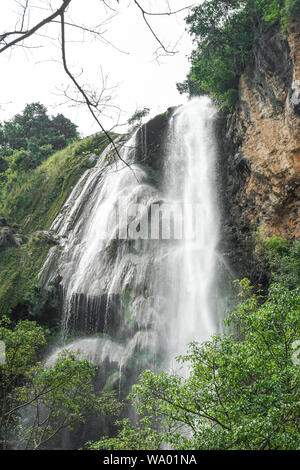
x,y
38,402
33,128
225,33
32,136
63,127
241,392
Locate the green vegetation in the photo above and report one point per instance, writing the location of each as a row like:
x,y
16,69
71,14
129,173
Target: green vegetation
x,y
38,402
19,268
140,436
292,9
37,134
30,199
242,390
284,261
28,139
225,33
135,121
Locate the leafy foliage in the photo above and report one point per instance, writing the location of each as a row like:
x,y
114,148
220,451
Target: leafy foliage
x,y
30,201
19,268
224,35
239,394
37,402
141,436
284,260
136,119
292,9
33,129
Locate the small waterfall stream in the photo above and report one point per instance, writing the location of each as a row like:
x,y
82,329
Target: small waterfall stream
x,y
134,293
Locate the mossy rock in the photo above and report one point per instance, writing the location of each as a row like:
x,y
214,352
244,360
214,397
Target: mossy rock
x,y
42,237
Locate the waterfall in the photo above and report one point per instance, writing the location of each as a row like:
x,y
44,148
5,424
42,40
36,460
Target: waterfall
x,y
190,180
133,291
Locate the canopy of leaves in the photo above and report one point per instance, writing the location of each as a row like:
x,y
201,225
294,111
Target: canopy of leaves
x,y
224,33
35,134
239,394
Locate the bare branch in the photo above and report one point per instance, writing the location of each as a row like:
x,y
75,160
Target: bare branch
x,y
94,32
26,34
167,13
24,14
82,91
96,102
144,14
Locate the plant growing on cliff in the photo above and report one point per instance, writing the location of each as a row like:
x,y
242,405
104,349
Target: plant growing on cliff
x,y
239,394
225,33
38,402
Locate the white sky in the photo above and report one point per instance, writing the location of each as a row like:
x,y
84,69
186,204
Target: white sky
x,y
36,74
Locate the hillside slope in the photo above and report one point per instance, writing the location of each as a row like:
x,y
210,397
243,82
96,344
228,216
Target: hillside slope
x,y
28,207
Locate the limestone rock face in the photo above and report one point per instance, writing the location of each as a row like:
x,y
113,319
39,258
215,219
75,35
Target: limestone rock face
x,y
260,149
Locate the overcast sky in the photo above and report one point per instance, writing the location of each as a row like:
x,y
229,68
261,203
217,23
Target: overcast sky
x,y
137,78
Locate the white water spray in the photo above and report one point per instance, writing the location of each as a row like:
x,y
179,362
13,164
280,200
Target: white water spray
x,y
152,296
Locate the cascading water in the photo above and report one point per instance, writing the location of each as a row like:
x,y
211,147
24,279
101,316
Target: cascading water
x,y
148,295
190,181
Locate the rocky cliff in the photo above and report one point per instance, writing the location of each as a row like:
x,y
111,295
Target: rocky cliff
x,y
260,153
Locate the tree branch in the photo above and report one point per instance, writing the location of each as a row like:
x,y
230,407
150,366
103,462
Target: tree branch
x,y
30,32
82,91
